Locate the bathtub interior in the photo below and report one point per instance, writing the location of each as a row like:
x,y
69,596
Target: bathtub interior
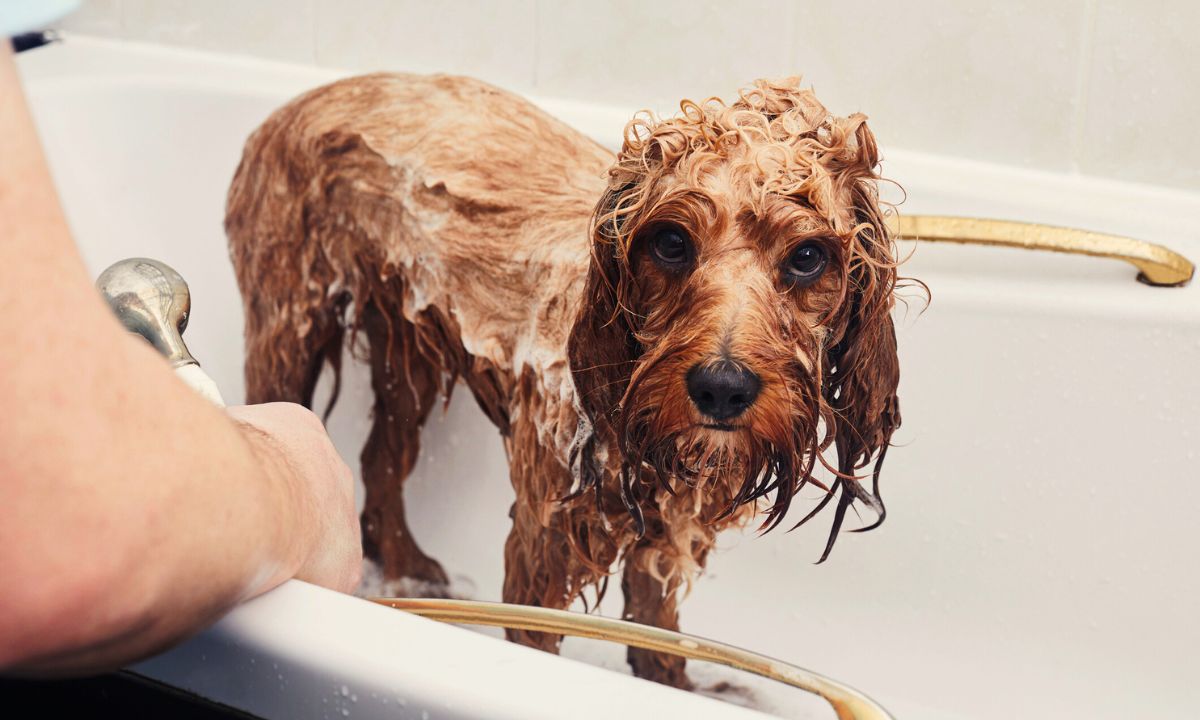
x,y
1039,555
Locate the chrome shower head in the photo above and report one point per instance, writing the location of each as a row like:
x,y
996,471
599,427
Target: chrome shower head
x,y
152,300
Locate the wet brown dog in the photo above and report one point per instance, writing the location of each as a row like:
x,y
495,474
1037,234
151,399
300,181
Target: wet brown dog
x,y
670,342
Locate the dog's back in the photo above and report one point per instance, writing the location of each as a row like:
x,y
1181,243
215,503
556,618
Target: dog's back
x,y
473,198
444,222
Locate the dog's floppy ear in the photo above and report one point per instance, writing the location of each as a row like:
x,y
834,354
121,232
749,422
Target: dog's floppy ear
x,y
601,348
863,367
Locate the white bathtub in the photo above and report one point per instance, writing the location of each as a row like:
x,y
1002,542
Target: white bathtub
x,y
1041,550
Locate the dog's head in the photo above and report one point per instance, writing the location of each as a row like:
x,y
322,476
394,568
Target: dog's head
x,y
736,323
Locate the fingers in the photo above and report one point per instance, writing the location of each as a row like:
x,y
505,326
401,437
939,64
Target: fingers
x,y
329,525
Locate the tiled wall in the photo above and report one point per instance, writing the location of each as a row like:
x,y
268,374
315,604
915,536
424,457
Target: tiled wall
x,y
1101,87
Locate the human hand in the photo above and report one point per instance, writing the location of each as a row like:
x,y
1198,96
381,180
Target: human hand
x,y
293,441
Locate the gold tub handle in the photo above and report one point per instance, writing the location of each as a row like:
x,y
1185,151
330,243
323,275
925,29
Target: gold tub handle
x,y
1157,265
848,703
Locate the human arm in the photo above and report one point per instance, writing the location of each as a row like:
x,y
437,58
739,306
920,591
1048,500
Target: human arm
x,y
132,512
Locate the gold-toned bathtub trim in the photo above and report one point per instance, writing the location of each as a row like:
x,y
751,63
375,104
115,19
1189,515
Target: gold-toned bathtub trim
x,y
848,703
1156,264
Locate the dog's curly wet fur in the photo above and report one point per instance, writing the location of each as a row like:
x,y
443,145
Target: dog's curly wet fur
x,y
465,235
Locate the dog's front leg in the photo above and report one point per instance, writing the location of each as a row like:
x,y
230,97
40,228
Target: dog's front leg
x,y
555,549
544,563
537,571
651,601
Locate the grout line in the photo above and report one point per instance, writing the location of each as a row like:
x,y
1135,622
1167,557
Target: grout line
x,y
314,5
791,20
537,42
1087,53
121,31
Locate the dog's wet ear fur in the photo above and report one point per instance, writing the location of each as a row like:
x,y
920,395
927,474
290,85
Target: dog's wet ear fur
x,y
865,371
601,348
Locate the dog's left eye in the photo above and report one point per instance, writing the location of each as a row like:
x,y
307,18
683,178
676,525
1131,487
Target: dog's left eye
x,y
805,264
671,247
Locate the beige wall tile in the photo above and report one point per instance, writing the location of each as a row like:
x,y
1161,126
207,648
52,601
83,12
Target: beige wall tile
x,y
992,81
1143,94
494,41
276,29
95,17
1105,87
652,54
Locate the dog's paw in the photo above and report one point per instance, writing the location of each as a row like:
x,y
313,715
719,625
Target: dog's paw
x,y
458,587
725,685
729,692
375,584
760,694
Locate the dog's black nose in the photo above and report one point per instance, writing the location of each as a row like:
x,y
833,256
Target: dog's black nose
x,y
724,390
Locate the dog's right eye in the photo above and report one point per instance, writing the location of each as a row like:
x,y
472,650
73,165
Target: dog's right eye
x,y
805,264
671,247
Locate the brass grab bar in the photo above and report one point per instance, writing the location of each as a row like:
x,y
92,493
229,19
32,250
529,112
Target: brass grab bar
x,y
1157,265
848,703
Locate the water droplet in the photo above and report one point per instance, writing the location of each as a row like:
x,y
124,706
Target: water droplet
x,y
345,691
